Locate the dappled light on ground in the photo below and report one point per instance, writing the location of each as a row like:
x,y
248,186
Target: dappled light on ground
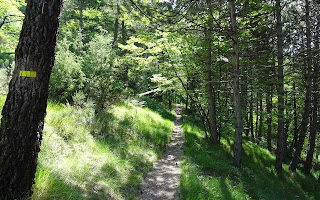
x,y
89,155
163,181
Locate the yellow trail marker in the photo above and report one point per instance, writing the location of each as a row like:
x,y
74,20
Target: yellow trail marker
x,y
31,74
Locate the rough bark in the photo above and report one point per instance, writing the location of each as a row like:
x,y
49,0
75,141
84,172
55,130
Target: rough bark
x,y
280,89
25,107
236,89
318,57
305,119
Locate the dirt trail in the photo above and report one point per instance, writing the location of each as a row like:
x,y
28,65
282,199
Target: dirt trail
x,y
162,182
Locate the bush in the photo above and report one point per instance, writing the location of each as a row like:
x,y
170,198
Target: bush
x,y
67,76
102,77
87,68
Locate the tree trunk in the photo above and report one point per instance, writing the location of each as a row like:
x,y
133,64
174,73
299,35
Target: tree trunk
x,y
209,86
3,21
295,121
245,101
269,118
81,14
236,89
314,122
257,117
123,33
305,119
187,103
211,102
170,100
25,107
280,89
116,28
115,33
261,117
251,115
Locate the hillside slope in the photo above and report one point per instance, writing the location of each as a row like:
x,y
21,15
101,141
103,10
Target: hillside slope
x,y
208,173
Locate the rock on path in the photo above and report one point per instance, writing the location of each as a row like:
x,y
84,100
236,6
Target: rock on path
x,y
162,182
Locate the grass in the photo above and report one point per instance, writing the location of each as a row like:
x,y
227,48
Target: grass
x,y
87,154
208,173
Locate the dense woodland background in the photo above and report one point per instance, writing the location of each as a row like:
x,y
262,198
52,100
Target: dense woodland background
x,y
247,72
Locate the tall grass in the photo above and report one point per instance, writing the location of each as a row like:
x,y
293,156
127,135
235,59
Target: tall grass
x,y
89,154
208,173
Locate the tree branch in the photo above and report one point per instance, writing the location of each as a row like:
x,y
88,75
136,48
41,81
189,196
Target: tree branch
x,y
3,21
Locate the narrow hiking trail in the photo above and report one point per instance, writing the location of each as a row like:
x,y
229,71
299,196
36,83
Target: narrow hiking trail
x,y
162,182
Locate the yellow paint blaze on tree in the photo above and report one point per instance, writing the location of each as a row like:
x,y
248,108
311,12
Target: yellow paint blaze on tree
x,y
28,74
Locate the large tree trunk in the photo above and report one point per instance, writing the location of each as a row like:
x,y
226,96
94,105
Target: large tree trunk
x,y
236,89
280,89
305,119
314,122
24,110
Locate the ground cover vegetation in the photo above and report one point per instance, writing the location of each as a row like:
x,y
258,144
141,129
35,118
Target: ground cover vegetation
x,y
208,173
104,155
248,69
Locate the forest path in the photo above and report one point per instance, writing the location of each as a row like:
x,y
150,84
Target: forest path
x,y
162,183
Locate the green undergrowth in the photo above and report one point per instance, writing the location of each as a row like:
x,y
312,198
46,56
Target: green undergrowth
x,y
89,154
208,173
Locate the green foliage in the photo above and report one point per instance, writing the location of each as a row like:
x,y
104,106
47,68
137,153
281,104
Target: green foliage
x,y
11,15
88,68
208,173
102,82
104,155
67,75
